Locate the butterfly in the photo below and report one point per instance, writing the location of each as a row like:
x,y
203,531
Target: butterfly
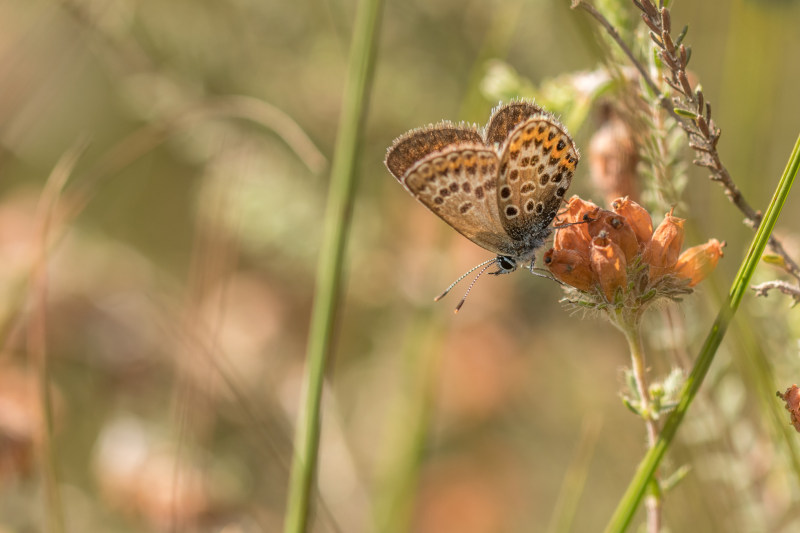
x,y
500,187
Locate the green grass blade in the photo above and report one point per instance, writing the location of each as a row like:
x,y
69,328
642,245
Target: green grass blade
x,y
329,273
633,495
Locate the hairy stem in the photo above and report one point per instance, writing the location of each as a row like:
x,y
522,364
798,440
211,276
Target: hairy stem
x,y
630,328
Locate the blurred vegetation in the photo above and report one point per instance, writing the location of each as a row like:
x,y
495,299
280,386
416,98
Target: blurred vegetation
x,y
180,260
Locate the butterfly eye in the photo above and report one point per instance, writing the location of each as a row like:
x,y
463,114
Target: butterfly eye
x,y
506,263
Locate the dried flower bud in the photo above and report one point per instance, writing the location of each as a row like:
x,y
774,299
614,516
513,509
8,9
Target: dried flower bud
x,y
617,229
637,217
792,399
613,158
574,211
608,264
697,262
664,248
573,238
570,267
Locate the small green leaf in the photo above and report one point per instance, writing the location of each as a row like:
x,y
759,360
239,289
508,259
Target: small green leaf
x,y
676,477
774,259
681,36
647,296
684,113
630,405
667,407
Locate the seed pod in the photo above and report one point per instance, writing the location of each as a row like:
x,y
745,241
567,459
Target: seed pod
x,y
570,267
664,248
608,264
637,216
618,230
697,262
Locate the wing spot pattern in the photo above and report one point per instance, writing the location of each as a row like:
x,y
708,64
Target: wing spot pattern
x,y
529,205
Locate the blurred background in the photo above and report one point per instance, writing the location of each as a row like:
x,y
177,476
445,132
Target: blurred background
x,y
166,286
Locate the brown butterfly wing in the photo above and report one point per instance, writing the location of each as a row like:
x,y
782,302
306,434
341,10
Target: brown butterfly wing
x,y
416,144
536,168
506,117
458,183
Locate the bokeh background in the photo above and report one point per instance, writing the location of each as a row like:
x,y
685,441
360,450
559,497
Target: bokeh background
x,y
168,284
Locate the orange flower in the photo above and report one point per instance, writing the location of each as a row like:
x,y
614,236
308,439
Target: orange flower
x,y
664,248
697,262
618,230
570,267
573,238
637,216
576,208
599,246
608,264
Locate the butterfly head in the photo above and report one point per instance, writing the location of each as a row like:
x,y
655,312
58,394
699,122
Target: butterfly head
x,y
505,265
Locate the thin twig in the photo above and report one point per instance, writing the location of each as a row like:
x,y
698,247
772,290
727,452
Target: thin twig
x,y
612,31
762,289
37,329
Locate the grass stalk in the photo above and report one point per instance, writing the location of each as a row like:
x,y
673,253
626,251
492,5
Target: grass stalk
x,y
329,272
37,331
636,489
567,505
410,427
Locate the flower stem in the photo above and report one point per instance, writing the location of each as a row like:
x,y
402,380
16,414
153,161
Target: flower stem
x,y
630,328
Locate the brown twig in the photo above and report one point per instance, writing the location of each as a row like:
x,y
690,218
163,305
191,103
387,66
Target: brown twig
x,y
612,31
688,106
762,289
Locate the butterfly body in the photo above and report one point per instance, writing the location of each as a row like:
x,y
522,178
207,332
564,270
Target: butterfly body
x,y
500,187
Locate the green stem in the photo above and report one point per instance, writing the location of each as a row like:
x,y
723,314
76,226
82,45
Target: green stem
x,y
632,331
329,272
630,501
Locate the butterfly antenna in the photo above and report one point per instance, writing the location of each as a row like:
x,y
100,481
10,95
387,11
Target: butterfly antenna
x,y
467,273
464,299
